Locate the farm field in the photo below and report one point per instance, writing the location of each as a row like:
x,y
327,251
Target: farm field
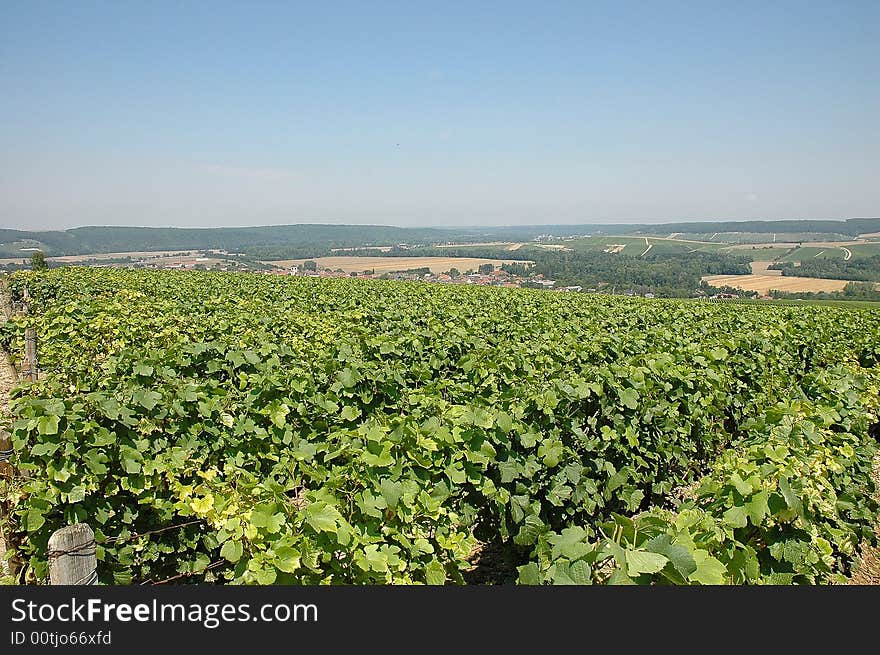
x,y
763,283
870,249
806,253
506,245
823,249
746,239
762,268
637,245
248,429
391,264
763,253
73,259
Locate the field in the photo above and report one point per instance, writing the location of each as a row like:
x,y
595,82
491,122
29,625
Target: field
x,y
391,264
636,246
870,249
805,253
247,429
768,238
77,259
820,249
763,253
764,283
763,268
506,245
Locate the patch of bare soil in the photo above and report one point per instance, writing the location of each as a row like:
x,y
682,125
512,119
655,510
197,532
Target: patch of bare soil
x,y
867,568
491,564
8,379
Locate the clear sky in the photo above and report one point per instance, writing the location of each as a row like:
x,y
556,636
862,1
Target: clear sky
x,y
441,113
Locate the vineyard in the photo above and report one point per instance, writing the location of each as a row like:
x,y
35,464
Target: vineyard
x,y
252,429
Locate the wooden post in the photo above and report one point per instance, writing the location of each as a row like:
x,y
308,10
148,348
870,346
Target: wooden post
x,y
30,353
72,559
5,454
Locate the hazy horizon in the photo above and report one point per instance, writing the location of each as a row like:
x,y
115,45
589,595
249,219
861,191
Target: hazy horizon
x,y
490,115
462,226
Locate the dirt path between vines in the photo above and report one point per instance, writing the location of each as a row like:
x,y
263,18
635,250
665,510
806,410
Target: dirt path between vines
x,y
867,568
8,379
8,376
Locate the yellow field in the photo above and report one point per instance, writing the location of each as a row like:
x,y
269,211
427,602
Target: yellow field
x,y
552,246
474,245
764,283
391,264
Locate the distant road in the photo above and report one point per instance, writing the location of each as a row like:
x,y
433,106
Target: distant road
x,y
650,245
847,254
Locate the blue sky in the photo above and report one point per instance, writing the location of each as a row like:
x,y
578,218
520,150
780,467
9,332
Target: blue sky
x,y
452,113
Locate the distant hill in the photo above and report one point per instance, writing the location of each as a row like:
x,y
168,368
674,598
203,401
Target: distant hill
x,y
306,240
261,241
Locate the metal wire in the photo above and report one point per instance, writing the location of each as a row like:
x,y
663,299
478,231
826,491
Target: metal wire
x,y
88,579
157,531
83,550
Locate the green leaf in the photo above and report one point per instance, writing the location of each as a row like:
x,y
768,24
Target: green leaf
x,y
435,574
40,449
347,377
570,543
735,517
718,354
745,562
287,559
35,520
791,499
580,572
382,459
529,439
47,425
559,574
503,421
265,516
321,517
709,570
678,555
143,369
630,398
131,459
232,551
350,413
278,413
531,529
456,475
551,450
266,576
529,574
260,516
742,487
618,577
641,561
77,494
757,507
146,398
391,492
